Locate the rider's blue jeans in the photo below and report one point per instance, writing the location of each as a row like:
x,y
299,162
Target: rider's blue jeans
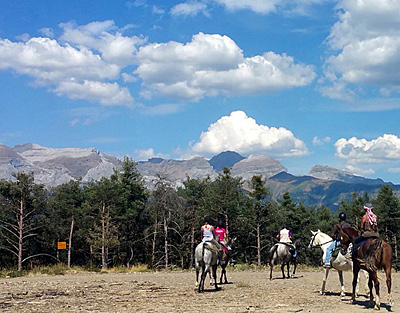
x,y
329,251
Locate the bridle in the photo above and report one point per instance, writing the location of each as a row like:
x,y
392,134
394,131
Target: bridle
x,y
319,245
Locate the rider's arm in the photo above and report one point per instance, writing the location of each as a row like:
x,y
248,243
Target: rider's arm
x,y
363,221
201,232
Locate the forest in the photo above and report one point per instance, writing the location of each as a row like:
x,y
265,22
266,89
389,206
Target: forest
x,y
117,221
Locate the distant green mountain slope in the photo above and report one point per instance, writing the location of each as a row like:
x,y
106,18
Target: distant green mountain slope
x,y
314,191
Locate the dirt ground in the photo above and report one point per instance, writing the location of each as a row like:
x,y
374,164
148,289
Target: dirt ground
x,y
248,291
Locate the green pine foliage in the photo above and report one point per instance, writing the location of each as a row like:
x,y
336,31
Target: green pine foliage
x,y
117,222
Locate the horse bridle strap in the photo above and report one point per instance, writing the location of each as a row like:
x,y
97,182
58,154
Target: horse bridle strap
x,y
320,245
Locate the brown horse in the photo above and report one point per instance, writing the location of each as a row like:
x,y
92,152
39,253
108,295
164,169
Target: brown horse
x,y
373,254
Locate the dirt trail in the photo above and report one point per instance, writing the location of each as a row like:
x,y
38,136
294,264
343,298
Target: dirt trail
x,y
249,291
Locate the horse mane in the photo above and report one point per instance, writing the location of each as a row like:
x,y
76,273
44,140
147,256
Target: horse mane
x,y
323,234
348,232
297,243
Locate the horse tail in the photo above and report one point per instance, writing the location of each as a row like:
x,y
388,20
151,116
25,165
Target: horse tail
x,y
372,255
272,252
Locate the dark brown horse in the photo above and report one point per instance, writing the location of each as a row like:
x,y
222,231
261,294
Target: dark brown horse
x,y
226,258
373,254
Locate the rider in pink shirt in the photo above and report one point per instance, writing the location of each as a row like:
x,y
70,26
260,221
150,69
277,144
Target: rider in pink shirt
x,y
220,231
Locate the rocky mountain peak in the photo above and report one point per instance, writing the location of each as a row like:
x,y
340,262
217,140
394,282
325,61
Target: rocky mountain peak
x,y
257,165
225,159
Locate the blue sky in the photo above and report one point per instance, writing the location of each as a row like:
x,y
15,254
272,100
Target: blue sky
x,y
304,81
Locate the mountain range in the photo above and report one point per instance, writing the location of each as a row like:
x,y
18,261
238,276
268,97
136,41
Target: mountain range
x,y
323,185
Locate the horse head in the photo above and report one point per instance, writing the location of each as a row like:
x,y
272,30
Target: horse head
x,y
348,234
314,240
297,244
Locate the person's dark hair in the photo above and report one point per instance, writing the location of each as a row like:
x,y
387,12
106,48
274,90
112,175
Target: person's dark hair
x,y
207,219
284,226
342,216
220,223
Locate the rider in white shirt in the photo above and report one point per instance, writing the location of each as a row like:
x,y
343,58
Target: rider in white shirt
x,y
284,235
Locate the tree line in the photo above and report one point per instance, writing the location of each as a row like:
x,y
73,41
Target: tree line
x,y
117,221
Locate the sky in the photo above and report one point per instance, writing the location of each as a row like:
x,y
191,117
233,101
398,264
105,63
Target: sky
x,y
304,81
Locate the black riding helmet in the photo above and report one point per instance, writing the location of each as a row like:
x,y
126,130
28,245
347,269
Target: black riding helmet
x,y
342,216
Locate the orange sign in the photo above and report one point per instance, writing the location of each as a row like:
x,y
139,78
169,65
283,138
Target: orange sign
x,y
61,245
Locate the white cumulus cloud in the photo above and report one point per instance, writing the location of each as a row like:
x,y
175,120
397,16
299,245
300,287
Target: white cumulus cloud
x,y
320,141
385,148
359,171
105,93
367,38
242,134
190,8
298,7
105,38
84,63
145,154
213,64
394,170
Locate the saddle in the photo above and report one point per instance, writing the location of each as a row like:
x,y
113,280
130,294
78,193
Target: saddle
x,y
210,246
291,248
357,243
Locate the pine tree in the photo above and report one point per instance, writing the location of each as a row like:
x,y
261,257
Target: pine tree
x,y
387,208
258,197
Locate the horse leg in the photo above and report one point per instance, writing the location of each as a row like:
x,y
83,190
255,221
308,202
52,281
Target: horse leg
x,y
294,266
388,272
374,278
356,270
287,267
366,275
197,275
342,293
214,272
223,274
271,266
358,284
283,270
324,279
205,269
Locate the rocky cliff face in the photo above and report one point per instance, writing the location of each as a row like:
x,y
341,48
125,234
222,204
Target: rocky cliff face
x,y
52,166
257,165
324,185
331,173
175,171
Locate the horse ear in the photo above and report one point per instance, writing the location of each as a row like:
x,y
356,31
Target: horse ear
x,y
312,232
318,231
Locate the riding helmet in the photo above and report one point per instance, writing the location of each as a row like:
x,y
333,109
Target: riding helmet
x,y
342,216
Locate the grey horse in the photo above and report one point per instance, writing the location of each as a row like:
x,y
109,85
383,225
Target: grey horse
x,y
281,253
205,256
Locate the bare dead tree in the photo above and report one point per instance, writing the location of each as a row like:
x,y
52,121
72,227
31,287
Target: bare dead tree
x,y
21,201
